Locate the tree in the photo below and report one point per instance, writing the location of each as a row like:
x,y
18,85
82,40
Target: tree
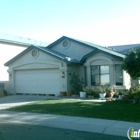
x,y
131,63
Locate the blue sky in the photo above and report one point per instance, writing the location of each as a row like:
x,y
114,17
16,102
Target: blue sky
x,y
105,22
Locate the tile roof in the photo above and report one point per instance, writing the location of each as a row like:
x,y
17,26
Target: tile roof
x,y
123,49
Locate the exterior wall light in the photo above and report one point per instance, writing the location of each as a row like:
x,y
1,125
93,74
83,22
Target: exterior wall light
x,y
63,74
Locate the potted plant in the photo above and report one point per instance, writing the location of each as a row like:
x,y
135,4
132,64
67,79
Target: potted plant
x,y
62,93
102,92
90,93
109,92
84,92
68,93
95,92
120,95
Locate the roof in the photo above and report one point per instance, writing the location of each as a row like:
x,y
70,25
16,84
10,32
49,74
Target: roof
x,y
69,59
123,49
90,45
53,53
11,39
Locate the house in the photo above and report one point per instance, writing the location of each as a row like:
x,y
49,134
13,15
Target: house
x,y
45,70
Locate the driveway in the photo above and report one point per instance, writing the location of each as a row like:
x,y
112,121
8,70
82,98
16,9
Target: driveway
x,y
16,100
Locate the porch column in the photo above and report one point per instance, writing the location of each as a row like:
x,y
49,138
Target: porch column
x,y
112,75
126,80
13,82
88,73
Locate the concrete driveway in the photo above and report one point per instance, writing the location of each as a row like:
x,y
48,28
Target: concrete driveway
x,y
16,100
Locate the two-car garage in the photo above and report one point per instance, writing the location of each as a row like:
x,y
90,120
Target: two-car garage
x,y
37,81
37,70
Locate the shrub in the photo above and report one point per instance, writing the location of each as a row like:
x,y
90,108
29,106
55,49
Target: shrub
x,y
134,94
76,83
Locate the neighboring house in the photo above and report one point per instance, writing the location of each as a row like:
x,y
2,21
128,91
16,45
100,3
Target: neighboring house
x,y
45,70
11,46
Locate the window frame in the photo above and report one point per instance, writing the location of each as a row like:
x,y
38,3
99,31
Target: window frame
x,y
117,76
100,74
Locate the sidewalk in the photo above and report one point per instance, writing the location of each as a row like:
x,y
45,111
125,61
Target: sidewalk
x,y
110,127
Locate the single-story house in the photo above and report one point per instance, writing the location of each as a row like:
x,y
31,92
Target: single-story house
x,y
45,70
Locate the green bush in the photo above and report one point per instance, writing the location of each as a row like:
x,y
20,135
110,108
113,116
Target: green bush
x,y
76,83
96,91
134,94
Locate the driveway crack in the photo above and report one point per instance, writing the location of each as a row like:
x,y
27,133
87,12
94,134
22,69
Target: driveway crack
x,y
108,126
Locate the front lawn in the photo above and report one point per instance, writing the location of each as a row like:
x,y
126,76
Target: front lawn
x,y
114,110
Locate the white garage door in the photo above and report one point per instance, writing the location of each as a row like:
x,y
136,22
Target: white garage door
x,y
37,81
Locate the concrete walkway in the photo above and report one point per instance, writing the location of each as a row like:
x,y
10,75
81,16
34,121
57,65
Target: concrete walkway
x,y
110,127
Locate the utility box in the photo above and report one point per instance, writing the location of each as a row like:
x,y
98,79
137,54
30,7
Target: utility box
x,y
1,89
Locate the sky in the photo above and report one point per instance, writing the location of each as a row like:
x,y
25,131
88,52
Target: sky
x,y
103,22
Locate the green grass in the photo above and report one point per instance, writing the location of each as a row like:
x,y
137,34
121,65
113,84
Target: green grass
x,y
114,110
1,138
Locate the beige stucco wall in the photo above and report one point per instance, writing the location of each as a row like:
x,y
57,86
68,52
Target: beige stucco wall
x,y
43,61
104,59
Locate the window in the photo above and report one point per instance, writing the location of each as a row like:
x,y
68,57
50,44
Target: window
x,y
34,53
66,44
118,75
99,75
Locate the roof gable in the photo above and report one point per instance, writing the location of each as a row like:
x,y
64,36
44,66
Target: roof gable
x,y
87,44
93,48
53,53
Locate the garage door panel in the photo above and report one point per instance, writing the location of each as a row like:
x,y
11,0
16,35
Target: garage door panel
x,y
38,81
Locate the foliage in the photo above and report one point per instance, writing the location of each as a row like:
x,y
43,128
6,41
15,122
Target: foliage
x,y
109,89
131,63
5,93
136,99
76,83
101,89
109,92
86,89
89,91
134,89
134,94
120,93
115,95
97,90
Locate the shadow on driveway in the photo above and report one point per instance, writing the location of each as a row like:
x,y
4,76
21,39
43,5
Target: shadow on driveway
x,y
16,100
